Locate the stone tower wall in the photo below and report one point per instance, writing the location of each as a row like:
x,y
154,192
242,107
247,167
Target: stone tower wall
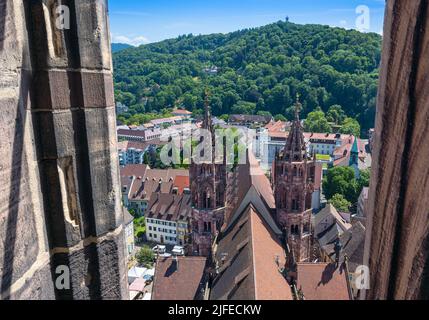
x,y
59,190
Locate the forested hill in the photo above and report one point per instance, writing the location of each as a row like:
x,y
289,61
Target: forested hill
x,y
259,69
116,47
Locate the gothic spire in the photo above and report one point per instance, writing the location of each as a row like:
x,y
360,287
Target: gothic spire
x,y
295,149
207,121
298,107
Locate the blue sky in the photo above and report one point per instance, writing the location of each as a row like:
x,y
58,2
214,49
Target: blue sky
x,y
144,21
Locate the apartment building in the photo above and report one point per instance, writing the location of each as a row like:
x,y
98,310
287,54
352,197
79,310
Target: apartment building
x,y
168,218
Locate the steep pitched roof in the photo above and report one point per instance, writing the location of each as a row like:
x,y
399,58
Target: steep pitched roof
x,y
322,281
136,170
180,279
181,182
249,257
150,181
245,177
165,206
353,243
325,218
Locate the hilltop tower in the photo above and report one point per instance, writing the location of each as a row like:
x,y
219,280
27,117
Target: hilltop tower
x,y
208,183
294,172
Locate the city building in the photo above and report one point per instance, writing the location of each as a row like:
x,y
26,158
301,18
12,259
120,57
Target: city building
x,y
168,121
182,113
328,226
248,120
133,152
142,134
139,182
213,70
270,140
352,152
129,233
164,213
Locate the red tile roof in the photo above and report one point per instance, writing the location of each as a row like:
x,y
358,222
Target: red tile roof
x,y
151,180
178,281
132,133
181,182
322,281
181,111
342,153
136,170
247,255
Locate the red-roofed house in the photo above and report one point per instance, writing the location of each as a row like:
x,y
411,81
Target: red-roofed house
x,y
182,113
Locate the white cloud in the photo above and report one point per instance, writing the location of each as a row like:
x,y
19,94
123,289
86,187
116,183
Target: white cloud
x,y
135,41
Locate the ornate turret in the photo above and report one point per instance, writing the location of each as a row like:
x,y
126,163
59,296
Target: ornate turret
x,y
207,120
208,181
295,148
293,174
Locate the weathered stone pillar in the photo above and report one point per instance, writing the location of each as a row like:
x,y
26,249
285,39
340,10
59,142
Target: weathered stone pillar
x,y
397,246
71,120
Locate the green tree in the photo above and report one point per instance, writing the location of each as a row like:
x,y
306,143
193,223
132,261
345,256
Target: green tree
x,y
139,227
350,126
266,66
336,114
264,113
145,257
280,117
317,122
364,178
341,180
244,107
340,203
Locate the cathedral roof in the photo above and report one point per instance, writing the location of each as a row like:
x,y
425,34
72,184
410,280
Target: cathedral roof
x,y
249,260
243,179
322,281
180,279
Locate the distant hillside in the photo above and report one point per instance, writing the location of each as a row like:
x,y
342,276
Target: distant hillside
x,y
116,47
259,70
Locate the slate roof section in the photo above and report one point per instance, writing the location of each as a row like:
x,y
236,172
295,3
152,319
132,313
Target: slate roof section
x,y
353,245
326,218
181,279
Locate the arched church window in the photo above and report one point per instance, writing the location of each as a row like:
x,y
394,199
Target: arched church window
x,y
308,201
306,228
